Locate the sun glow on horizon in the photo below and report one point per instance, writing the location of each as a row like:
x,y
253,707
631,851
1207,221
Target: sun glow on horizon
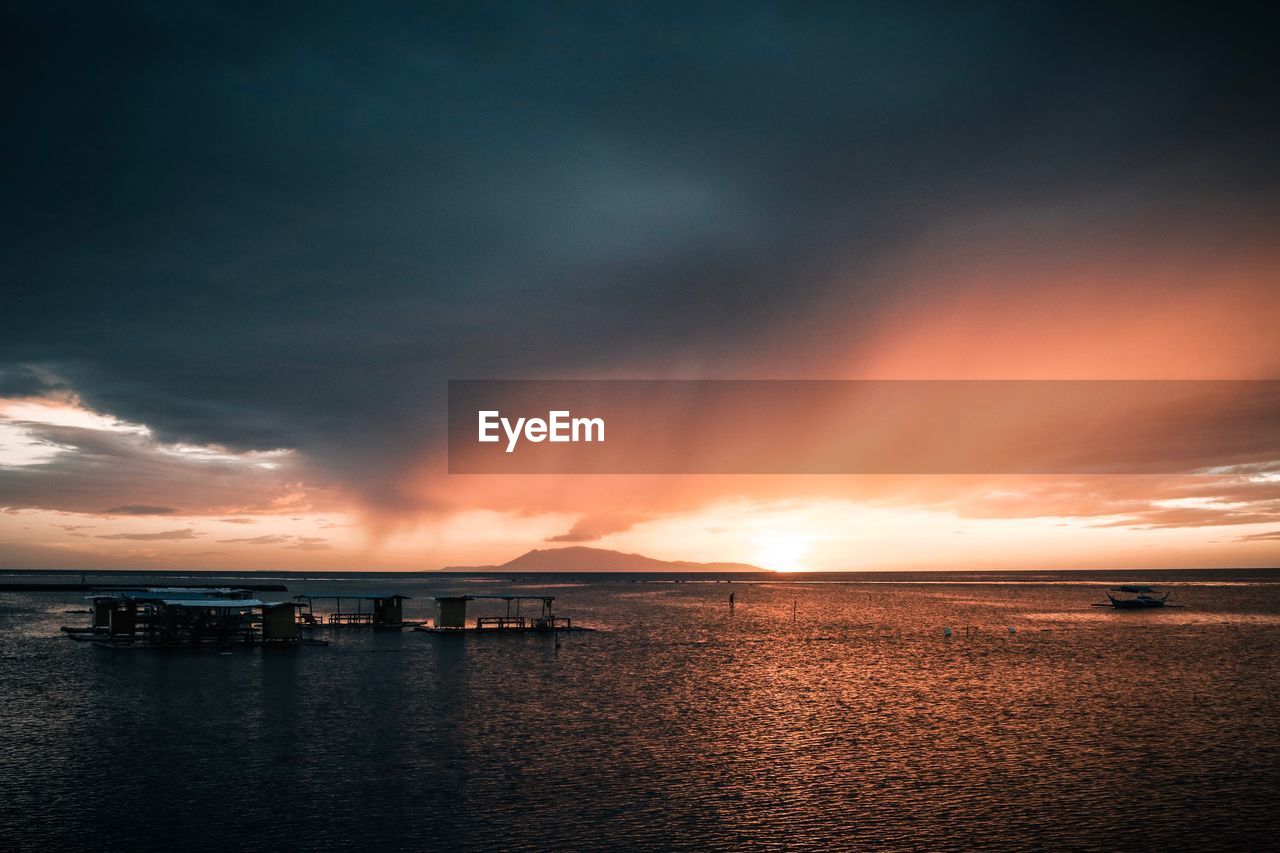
x,y
782,552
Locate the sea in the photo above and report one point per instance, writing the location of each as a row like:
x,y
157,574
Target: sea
x,y
951,711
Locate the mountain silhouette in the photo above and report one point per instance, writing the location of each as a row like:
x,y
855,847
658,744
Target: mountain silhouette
x,y
580,559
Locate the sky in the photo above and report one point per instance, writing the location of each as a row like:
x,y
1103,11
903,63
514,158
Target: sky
x,y
246,247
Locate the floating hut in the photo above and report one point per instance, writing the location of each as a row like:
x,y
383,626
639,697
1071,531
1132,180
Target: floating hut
x,y
188,617
451,615
377,610
126,606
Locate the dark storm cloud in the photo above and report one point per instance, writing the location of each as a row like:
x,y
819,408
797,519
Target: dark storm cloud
x,y
19,380
284,226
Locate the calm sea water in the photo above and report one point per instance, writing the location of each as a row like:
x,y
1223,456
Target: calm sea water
x,y
675,725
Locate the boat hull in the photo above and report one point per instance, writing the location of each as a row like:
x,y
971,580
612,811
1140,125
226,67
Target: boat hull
x,y
1129,604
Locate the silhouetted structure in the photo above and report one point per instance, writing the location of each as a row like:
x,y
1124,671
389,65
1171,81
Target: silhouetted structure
x,y
161,616
376,610
451,615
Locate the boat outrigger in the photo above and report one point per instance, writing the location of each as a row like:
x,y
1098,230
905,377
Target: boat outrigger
x,y
1135,597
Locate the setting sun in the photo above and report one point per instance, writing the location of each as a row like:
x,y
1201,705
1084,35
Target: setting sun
x,y
782,552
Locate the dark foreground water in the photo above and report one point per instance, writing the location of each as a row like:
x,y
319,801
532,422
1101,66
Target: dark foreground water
x,y
674,726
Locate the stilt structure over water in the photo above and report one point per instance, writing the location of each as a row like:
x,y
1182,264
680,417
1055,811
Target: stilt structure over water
x,y
188,617
377,610
451,615
220,616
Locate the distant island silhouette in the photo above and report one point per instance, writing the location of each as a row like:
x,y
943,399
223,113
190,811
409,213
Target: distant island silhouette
x,y
576,558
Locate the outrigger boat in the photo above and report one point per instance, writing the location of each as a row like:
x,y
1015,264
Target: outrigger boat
x,y
1135,597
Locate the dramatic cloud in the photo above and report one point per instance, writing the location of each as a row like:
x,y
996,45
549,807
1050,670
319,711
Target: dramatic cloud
x,y
103,467
268,539
139,509
246,246
185,533
443,193
19,380
311,543
593,527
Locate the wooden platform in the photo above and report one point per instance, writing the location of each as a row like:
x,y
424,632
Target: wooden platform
x,y
126,643
526,629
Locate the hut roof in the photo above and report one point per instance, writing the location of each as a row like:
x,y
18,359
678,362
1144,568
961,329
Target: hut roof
x,y
363,596
206,603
